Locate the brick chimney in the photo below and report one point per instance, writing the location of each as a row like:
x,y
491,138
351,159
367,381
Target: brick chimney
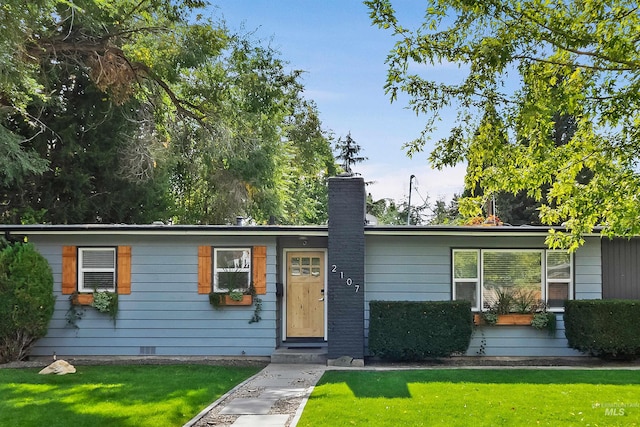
x,y
345,293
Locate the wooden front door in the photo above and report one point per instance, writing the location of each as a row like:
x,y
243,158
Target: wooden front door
x,y
305,294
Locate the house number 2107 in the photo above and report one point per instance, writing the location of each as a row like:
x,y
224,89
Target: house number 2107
x,y
348,281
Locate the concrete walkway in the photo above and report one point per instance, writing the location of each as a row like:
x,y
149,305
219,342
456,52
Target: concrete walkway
x,y
274,397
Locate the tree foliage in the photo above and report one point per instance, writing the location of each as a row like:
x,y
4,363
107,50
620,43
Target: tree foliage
x,y
101,168
387,211
443,214
132,111
390,212
26,299
533,62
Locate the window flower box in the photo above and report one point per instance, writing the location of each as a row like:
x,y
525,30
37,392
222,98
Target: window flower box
x,y
218,299
514,319
506,319
82,299
246,300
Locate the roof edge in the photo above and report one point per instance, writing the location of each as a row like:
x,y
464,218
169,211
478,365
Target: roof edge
x,y
160,229
275,230
467,230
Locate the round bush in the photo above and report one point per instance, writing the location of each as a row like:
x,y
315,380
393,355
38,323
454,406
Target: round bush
x,y
26,300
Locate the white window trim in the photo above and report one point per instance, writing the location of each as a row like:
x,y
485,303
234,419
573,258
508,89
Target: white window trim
x,y
569,281
242,269
544,291
81,270
476,280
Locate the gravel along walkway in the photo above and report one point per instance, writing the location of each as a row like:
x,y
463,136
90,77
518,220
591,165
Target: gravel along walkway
x,y
274,397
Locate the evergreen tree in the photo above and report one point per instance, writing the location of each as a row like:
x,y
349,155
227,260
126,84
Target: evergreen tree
x,y
349,153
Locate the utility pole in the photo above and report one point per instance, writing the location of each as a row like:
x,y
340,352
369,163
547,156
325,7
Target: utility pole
x,y
409,207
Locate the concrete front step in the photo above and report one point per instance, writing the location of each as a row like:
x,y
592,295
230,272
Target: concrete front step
x,y
313,356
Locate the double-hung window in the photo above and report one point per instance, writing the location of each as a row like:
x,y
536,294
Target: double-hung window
x,y
231,269
96,269
481,275
559,274
466,277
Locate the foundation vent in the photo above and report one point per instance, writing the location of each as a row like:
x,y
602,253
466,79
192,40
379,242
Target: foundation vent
x,y
147,351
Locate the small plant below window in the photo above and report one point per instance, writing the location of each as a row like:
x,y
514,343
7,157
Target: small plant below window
x,y
106,302
509,300
525,301
544,320
236,295
519,306
75,311
216,299
258,305
483,342
490,317
233,297
256,313
503,303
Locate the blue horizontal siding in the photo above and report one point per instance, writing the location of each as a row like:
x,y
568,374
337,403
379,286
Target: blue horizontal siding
x,y
401,268
155,320
408,277
187,330
218,348
186,342
519,341
588,270
164,309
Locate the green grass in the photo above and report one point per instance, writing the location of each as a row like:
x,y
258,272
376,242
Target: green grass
x,y
475,397
99,396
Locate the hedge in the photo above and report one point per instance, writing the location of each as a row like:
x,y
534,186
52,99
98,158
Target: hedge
x,y
605,328
414,331
26,300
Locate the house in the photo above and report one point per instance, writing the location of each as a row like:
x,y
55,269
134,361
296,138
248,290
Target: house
x,y
314,283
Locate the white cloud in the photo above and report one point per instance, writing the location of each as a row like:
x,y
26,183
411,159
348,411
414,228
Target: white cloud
x,y
428,183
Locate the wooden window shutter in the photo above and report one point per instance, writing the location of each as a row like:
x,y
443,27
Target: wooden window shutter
x,y
124,270
259,267
69,269
204,269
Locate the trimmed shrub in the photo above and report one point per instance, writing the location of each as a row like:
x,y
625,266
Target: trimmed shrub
x,y
605,328
26,300
414,331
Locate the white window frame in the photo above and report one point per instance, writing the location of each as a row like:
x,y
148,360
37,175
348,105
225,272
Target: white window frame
x,y
239,265
569,281
82,269
475,280
544,274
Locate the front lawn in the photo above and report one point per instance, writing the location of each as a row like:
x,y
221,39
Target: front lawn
x,y
478,397
97,396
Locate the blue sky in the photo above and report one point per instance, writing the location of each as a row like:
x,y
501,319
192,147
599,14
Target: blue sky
x,y
343,56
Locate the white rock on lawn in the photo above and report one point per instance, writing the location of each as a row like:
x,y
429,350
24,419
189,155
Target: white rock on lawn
x,y
59,367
